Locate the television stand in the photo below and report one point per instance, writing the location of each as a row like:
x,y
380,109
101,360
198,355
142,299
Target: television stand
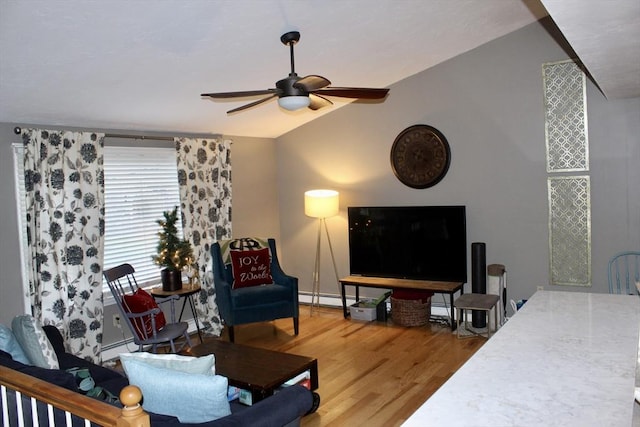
x,y
388,283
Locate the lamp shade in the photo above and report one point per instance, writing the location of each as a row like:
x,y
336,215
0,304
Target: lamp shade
x,y
293,103
321,203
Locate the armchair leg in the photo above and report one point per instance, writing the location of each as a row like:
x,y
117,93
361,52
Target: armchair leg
x,y
232,336
296,328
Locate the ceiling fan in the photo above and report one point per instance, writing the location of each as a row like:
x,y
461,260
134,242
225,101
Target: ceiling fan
x,y
295,92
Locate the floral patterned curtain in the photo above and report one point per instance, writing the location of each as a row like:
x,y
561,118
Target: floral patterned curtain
x,y
204,175
64,191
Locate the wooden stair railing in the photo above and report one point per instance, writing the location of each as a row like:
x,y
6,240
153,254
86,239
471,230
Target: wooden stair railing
x,y
132,415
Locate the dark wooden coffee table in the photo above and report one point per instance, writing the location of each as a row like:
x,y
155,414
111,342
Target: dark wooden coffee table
x,y
258,370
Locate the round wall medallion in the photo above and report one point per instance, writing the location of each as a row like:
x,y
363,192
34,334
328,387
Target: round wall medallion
x,y
420,156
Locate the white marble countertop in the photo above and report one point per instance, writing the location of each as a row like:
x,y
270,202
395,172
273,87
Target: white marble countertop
x,y
565,359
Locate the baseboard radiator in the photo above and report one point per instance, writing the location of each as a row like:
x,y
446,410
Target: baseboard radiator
x,y
29,401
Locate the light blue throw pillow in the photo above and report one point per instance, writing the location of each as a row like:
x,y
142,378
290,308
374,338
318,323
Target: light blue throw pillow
x,y
204,365
192,398
9,344
34,342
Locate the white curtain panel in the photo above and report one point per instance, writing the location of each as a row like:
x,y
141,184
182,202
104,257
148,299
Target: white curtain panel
x,y
204,175
64,192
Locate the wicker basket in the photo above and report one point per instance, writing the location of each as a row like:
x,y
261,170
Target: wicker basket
x,y
408,312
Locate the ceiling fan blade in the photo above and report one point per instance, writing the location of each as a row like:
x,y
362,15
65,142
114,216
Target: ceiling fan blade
x,y
353,92
312,82
239,94
317,102
253,104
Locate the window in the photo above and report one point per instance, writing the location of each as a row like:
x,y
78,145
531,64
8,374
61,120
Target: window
x,y
140,184
21,206
568,180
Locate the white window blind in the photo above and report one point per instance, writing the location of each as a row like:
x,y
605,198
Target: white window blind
x,y
21,206
140,184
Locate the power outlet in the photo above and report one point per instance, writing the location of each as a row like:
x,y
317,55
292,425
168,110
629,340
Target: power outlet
x,y
116,321
541,288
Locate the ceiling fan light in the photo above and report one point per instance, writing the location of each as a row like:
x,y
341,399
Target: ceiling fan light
x,y
293,103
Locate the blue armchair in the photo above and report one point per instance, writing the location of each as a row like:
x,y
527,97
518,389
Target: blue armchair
x,y
255,291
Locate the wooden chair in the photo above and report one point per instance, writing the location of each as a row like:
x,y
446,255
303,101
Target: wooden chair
x,y
145,325
624,272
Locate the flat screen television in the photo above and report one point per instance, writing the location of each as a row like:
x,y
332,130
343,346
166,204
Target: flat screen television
x,y
409,242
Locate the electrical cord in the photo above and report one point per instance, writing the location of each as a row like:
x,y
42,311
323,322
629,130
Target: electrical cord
x,y
124,339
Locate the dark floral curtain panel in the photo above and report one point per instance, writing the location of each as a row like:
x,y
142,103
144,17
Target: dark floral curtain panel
x,y
204,175
64,189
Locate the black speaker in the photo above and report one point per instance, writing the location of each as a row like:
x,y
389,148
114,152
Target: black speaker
x,y
478,280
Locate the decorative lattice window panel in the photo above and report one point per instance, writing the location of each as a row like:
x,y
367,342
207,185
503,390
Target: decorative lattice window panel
x,y
570,230
565,117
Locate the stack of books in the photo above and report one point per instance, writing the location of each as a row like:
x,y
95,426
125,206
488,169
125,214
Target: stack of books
x,y
245,397
303,379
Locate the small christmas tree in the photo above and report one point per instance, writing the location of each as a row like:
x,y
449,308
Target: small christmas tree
x,y
173,253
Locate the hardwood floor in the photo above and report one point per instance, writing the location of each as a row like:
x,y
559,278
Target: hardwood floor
x,y
373,373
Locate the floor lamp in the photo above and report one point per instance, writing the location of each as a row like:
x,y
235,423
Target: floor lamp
x,y
321,204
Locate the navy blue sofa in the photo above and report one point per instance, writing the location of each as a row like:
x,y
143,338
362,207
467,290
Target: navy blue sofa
x,y
285,408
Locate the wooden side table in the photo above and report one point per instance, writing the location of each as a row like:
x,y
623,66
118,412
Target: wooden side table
x,y
480,302
186,292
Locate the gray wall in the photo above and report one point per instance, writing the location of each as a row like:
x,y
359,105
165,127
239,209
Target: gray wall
x,y
11,301
489,105
255,195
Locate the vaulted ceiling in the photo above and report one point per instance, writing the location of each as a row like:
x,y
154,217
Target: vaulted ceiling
x,y
142,65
